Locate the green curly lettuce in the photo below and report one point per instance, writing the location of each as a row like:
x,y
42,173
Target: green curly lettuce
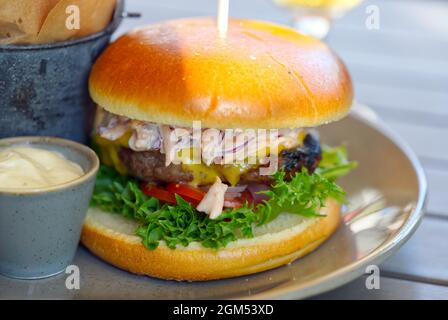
x,y
304,194
334,163
181,224
177,224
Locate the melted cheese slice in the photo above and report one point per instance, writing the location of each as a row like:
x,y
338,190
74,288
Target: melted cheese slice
x,y
202,173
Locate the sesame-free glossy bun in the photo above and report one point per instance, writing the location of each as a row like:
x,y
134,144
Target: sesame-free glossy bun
x,y
285,239
260,75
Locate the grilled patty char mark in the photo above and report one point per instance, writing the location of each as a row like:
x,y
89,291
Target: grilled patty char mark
x,y
150,165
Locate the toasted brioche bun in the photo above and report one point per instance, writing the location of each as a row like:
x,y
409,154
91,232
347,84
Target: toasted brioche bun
x,y
111,237
260,75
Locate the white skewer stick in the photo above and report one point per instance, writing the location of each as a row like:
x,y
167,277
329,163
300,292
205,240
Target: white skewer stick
x,y
223,17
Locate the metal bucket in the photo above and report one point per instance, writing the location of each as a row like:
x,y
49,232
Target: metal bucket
x,y
43,88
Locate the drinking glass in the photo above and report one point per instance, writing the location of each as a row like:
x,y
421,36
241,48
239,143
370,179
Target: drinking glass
x,y
314,17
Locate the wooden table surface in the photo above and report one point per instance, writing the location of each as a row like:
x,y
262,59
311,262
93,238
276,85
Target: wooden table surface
x,y
401,71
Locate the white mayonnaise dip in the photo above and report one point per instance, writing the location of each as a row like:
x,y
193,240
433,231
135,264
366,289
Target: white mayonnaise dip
x,y
30,167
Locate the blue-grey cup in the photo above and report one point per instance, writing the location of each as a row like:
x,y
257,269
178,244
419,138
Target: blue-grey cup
x,y
40,229
43,88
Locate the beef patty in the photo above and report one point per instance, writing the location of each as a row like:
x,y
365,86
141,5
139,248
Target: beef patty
x,y
150,165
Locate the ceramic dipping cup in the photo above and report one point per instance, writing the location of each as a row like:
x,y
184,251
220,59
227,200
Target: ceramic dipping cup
x,y
40,228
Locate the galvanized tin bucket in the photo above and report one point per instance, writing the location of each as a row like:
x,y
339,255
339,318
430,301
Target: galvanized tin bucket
x,y
43,88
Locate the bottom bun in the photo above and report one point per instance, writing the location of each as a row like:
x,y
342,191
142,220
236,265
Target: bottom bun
x,y
288,237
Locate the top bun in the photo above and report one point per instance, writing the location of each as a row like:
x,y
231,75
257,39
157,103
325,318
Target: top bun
x,y
260,75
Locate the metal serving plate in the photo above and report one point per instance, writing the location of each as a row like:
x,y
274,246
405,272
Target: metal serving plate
x,y
386,193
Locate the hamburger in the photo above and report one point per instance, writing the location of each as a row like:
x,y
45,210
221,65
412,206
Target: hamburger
x,y
176,101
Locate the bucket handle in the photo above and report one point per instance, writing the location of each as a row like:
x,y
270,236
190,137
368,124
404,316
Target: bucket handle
x,y
132,15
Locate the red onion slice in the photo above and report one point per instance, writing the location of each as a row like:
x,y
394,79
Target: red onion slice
x,y
254,188
236,189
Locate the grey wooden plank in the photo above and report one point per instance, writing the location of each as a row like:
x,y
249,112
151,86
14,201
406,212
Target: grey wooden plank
x,y
426,141
434,164
421,19
400,58
421,117
424,255
438,192
398,71
390,289
397,58
406,64
402,99
368,72
358,39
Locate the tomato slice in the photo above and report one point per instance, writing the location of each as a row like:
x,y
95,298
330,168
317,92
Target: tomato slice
x,y
193,194
159,193
247,196
186,191
190,194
